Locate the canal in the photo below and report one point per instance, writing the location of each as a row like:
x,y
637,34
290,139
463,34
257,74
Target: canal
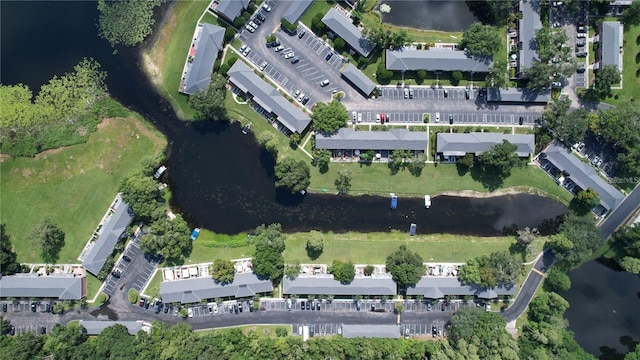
x,y
449,16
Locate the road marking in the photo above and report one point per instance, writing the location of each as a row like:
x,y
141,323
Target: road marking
x,y
538,272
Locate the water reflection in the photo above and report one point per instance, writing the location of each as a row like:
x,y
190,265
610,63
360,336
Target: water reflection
x,y
429,15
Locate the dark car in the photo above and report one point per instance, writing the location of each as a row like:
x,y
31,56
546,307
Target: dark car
x,y
446,93
521,120
126,258
311,330
147,303
434,331
141,302
47,307
301,34
235,308
43,330
328,56
358,305
313,305
318,307
305,100
12,330
295,60
308,305
581,69
4,307
444,306
379,91
302,305
117,273
157,307
240,307
250,307
373,307
33,307
166,309
450,119
466,94
260,16
582,54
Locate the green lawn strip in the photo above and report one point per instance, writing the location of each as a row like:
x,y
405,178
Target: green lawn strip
x,y
318,7
630,69
524,130
211,19
153,289
264,330
175,52
377,179
93,285
73,186
373,248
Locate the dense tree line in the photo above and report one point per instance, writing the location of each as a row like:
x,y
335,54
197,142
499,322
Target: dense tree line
x,y
64,112
126,22
481,40
577,238
180,342
268,262
493,12
498,268
627,243
209,103
9,264
555,59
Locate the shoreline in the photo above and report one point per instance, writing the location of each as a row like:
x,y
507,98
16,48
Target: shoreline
x,y
512,190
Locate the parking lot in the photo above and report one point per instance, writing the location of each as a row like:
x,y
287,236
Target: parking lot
x,y
31,321
365,305
426,92
406,329
499,119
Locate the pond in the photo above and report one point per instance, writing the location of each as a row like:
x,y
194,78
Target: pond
x,y
604,309
449,16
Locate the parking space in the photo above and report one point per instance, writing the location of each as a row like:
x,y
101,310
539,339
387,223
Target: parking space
x,y
365,305
424,92
317,328
499,119
321,48
132,251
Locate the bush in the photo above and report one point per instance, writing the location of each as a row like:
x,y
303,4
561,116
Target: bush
x,y
456,76
287,26
229,34
425,118
102,298
420,76
382,74
339,44
134,296
281,332
317,26
224,69
271,38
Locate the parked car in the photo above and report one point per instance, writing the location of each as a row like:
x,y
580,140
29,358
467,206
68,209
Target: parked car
x,y
305,99
141,302
157,307
302,305
289,305
126,258
279,48
428,306
257,21
250,307
354,117
146,303
266,7
582,29
556,84
289,55
487,307
260,16
466,94
301,33
300,97
190,312
520,120
4,307
295,60
379,92
406,93
117,272
308,305
358,305
12,330
324,82
437,117
328,56
34,307
581,68
581,43
243,48
450,119
246,51
166,309
373,306
446,93
263,65
313,305
581,35
434,331
175,311
318,307
383,118
235,308
410,93
249,28
359,117
47,307
582,54
556,25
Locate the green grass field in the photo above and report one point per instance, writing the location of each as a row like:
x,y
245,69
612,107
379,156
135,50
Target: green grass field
x,y
318,7
153,289
630,68
169,52
73,186
93,285
264,330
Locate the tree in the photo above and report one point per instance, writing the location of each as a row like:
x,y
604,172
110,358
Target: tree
x,y
49,238
538,75
631,15
571,127
269,242
126,22
584,201
342,271
269,142
315,244
209,103
62,340
317,26
405,266
223,271
497,162
321,159
339,44
483,333
398,308
606,77
343,182
328,118
229,34
382,74
292,270
466,161
456,76
169,238
142,194
481,40
470,272
505,266
526,236
578,237
368,270
556,280
493,12
9,264
270,235
292,175
499,75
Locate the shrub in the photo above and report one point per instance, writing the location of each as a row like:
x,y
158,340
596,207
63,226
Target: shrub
x,y
281,332
134,296
102,298
271,38
456,76
229,34
425,118
287,26
224,69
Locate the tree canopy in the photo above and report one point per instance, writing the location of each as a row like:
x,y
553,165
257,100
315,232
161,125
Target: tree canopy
x,y
578,237
142,194
292,175
268,262
627,239
406,267
343,182
631,15
329,118
485,331
496,163
169,238
223,271
495,12
315,244
481,40
126,22
584,201
9,264
209,103
49,238
342,271
606,77
499,268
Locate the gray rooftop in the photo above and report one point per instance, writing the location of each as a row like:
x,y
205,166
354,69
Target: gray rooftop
x,y
439,287
435,60
358,79
342,25
194,290
268,97
33,286
96,327
231,9
527,28
583,174
296,9
394,139
329,286
477,143
371,331
104,244
611,44
518,95
210,43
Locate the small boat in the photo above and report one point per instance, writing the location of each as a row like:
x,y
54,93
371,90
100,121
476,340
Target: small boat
x,y
427,201
160,171
394,201
412,229
195,233
246,128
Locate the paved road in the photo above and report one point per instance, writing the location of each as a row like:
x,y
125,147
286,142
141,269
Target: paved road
x,y
528,289
620,214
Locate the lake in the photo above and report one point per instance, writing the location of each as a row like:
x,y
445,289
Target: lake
x,y
449,16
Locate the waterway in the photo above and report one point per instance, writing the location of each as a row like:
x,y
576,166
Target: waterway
x,y
449,16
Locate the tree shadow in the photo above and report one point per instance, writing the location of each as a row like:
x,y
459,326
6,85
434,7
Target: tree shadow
x,y
415,171
323,168
489,179
462,170
313,254
394,167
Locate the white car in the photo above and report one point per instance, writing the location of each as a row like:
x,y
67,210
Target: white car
x,y
377,118
263,65
354,117
266,7
253,25
243,48
301,96
324,82
249,28
279,48
289,55
246,51
296,93
437,117
190,312
359,117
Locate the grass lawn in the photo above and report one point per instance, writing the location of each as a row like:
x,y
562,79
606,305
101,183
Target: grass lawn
x,y
318,7
93,285
630,68
376,179
73,185
164,61
264,330
153,290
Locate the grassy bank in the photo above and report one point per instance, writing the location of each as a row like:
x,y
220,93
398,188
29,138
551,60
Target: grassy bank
x,y
364,248
630,70
164,60
73,185
264,330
